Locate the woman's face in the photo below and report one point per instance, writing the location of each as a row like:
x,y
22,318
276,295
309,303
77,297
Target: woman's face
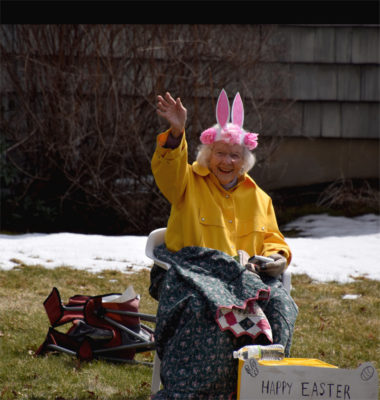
x,y
226,161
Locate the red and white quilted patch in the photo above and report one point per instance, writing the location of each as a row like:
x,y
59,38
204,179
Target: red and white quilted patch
x,y
249,321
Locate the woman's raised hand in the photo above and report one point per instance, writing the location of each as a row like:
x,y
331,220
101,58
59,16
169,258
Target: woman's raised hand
x,y
173,111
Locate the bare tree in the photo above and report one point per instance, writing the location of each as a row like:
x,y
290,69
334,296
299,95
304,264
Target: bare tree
x,y
78,106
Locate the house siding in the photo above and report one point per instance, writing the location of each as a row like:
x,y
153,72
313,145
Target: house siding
x,y
335,85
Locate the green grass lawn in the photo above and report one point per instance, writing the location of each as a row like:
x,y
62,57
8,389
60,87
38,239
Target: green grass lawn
x,y
341,332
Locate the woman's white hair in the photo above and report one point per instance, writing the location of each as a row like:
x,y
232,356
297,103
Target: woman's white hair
x,y
204,155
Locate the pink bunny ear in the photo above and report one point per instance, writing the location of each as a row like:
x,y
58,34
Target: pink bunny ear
x,y
222,109
238,111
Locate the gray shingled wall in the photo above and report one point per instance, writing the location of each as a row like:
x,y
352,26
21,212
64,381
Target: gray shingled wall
x,y
334,79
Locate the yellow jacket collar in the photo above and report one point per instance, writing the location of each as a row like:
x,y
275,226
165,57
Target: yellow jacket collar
x,y
199,169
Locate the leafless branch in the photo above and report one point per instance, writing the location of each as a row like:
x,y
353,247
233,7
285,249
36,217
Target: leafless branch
x,y
81,103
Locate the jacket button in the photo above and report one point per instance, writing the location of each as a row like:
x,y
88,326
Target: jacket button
x,y
263,228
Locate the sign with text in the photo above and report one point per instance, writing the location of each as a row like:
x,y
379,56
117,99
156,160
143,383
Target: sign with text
x,y
301,382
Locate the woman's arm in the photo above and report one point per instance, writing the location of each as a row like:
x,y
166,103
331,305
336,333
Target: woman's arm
x,y
169,162
274,241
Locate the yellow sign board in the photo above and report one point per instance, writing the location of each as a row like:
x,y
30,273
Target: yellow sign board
x,y
305,379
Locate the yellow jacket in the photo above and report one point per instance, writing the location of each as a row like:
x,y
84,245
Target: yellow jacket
x,y
204,214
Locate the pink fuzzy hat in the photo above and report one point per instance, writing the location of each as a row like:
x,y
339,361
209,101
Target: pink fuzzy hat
x,y
231,133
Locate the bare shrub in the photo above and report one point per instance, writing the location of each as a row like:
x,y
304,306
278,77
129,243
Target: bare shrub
x,y
78,107
350,196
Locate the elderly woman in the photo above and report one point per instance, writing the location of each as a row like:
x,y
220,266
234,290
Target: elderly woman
x,y
217,207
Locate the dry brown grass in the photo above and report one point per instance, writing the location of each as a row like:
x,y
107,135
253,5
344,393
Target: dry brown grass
x,y
341,332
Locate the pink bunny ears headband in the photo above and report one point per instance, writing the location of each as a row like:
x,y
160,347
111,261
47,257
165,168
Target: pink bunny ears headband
x,y
231,133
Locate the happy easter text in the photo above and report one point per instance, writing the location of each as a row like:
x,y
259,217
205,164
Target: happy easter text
x,y
306,389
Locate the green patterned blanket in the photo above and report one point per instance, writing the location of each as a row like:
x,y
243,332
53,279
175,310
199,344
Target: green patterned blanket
x,y
209,306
